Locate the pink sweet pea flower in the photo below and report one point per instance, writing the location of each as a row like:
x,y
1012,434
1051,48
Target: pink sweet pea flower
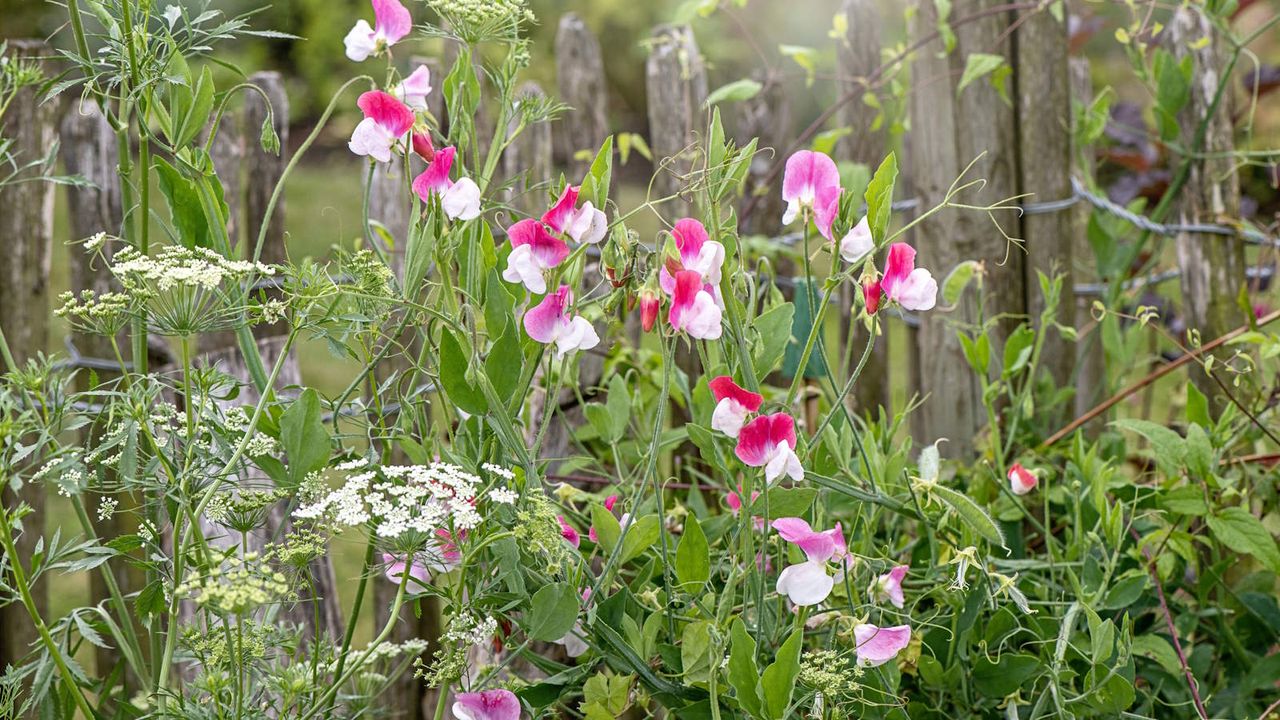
x,y
871,293
734,501
423,146
386,120
693,309
533,252
413,91
889,586
697,253
418,574
1022,480
877,645
811,183
585,225
733,405
857,243
808,583
568,532
769,441
391,22
911,287
487,705
460,200
547,323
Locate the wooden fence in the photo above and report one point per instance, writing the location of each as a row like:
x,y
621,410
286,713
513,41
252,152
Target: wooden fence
x,y
1022,147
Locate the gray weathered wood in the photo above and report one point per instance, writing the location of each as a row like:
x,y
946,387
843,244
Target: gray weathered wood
x,y
26,226
1091,368
263,170
858,56
1213,267
527,162
950,132
1044,172
580,81
676,80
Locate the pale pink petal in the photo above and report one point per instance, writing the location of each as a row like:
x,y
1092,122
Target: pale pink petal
x,y
857,243
783,462
372,140
462,200
415,88
360,42
805,584
877,646
889,586
918,292
707,262
703,320
561,214
579,335
522,268
418,575
391,20
826,207
545,321
792,529
807,173
589,225
487,705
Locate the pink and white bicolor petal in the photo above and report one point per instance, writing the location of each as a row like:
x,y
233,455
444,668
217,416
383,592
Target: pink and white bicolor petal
x,y
415,88
386,120
805,583
877,645
534,251
808,182
1022,480
547,323
693,309
888,587
391,22
769,441
562,213
857,243
588,225
911,287
733,405
487,705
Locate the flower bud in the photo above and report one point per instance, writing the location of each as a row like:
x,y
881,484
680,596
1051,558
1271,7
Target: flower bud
x,y
871,294
422,145
648,309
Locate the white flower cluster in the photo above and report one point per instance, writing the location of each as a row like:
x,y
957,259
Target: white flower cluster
x,y
467,629
176,266
400,500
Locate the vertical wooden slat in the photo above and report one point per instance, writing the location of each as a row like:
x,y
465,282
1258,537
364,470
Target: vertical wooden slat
x,y
1091,370
581,83
263,170
1213,267
951,130
527,162
676,80
858,56
26,226
1044,172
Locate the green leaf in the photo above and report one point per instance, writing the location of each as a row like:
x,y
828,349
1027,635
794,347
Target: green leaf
x,y
505,361
695,652
744,678
971,513
774,329
736,91
453,376
1004,677
693,556
595,186
618,404
552,612
1239,530
805,57
783,502
303,435
1157,648
978,65
1199,453
186,212
879,197
607,527
1018,349
779,679
1168,446
151,600
642,534
957,280
1185,500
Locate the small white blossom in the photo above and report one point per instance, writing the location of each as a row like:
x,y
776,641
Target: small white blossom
x,y
504,496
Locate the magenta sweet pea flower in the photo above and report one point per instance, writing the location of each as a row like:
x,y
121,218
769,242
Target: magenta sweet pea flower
x,y
547,323
487,705
459,200
888,587
733,405
857,243
808,583
386,121
911,287
769,441
533,252
1022,480
698,253
877,645
585,225
811,187
693,309
734,501
391,22
568,532
413,90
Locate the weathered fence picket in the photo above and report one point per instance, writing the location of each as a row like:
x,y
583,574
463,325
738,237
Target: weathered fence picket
x,y
580,81
676,80
1090,380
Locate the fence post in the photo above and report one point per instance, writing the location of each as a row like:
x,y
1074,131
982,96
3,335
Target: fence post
x,y
527,161
1044,171
859,56
581,84
88,150
676,80
951,130
1091,367
1213,267
26,224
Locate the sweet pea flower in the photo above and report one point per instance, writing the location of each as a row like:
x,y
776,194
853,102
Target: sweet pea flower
x,y
889,586
811,185
585,225
423,146
911,287
857,243
568,532
391,22
413,90
547,323
386,120
871,293
734,501
459,200
733,405
769,441
808,583
533,252
1022,480
693,309
877,645
697,253
649,306
418,574
487,705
